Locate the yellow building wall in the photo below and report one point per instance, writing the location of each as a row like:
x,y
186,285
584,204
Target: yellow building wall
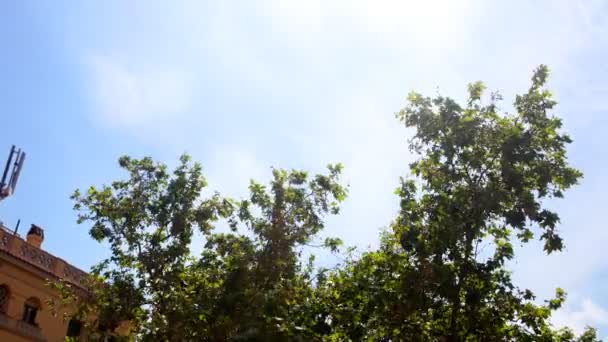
x,y
23,285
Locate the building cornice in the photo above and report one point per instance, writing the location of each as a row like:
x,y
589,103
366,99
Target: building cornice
x,y
39,260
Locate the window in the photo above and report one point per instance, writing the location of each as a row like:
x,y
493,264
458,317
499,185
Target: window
x,y
30,309
4,297
74,328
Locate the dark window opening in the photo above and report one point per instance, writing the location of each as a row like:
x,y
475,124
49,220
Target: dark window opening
x,y
74,328
30,309
29,314
4,296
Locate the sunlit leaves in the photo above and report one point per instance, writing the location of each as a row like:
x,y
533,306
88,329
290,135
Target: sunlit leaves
x,y
246,282
478,186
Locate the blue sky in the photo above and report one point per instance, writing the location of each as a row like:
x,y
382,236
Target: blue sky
x,y
243,86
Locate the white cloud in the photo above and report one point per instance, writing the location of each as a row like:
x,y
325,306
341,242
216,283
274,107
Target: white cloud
x,y
130,96
297,19
589,314
360,131
433,23
295,40
230,168
430,21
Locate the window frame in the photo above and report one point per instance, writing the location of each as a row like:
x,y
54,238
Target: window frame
x,y
7,297
31,307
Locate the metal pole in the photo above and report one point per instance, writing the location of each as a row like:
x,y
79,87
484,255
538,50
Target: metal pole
x,y
8,164
17,227
18,165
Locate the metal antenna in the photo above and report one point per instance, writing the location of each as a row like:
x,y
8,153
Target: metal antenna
x,y
17,170
8,165
8,188
17,227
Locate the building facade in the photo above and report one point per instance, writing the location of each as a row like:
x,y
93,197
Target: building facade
x,y
25,270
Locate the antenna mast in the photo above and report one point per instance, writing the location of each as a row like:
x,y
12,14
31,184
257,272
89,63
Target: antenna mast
x,y
8,183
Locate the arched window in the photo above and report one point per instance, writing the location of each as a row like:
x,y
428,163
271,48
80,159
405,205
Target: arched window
x,y
5,295
30,309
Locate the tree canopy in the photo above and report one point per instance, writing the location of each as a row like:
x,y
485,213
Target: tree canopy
x,y
482,178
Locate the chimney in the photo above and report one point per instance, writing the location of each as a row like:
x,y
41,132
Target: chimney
x,y
35,236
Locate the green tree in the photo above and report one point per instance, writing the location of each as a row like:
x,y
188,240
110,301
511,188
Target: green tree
x,y
481,179
247,282
253,287
148,222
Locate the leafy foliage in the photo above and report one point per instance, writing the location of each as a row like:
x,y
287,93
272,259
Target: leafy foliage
x,y
240,286
481,180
